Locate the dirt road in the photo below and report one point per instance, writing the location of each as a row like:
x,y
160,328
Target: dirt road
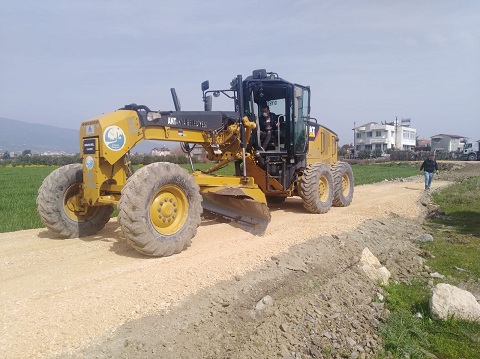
x,y
59,296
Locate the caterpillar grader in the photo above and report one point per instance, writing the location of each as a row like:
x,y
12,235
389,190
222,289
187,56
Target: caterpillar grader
x,y
160,205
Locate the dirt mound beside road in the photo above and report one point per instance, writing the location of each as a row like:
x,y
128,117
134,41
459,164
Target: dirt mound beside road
x,y
97,297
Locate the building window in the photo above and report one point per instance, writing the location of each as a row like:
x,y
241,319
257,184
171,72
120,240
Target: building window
x,y
359,148
359,135
368,147
378,146
378,133
369,134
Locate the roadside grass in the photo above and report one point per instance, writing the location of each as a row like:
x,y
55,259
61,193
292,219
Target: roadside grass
x,y
455,254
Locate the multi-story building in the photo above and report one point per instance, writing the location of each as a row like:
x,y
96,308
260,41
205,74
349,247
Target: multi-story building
x,y
160,151
447,143
373,136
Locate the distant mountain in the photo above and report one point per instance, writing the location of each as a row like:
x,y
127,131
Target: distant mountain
x,y
17,136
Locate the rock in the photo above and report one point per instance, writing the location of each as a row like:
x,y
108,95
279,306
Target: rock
x,y
371,266
327,335
284,351
447,300
284,327
308,318
315,353
423,238
368,258
437,275
316,341
265,301
350,341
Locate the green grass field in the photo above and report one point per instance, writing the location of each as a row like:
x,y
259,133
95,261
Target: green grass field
x,y
18,193
19,186
372,173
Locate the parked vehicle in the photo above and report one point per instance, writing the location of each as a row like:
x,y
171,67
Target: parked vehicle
x,y
471,151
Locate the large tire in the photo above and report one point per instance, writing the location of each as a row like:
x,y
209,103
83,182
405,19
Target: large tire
x,y
56,210
160,209
316,188
472,157
343,184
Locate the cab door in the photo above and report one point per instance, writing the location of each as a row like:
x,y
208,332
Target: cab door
x,y
301,113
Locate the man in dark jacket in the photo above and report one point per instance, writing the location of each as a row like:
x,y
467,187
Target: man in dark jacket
x,y
429,166
268,127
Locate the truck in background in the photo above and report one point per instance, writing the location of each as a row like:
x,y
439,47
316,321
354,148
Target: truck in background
x,y
471,151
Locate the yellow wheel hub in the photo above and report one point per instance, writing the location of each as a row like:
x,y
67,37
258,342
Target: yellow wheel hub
x,y
323,189
169,209
72,207
345,185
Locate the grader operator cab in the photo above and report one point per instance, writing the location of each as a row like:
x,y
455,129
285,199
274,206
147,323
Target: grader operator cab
x,y
160,205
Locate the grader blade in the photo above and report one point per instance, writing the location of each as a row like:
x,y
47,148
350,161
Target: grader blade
x,y
251,215
236,199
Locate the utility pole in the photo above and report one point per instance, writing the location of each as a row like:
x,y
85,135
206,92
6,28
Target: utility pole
x,y
354,136
396,133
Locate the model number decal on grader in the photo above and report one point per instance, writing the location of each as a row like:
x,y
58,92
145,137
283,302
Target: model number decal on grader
x,y
186,122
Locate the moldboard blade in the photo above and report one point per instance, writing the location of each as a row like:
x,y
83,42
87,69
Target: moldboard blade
x,y
252,216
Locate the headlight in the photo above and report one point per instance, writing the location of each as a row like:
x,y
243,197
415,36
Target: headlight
x,y
153,116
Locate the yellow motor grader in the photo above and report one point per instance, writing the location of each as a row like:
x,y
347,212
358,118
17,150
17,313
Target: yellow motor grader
x,y
160,205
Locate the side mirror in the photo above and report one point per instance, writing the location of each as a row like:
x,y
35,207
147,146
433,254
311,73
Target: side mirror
x,y
208,103
205,85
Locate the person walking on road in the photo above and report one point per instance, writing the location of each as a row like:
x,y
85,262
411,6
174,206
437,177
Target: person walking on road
x,y
429,166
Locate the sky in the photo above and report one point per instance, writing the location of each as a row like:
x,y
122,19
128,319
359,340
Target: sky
x,y
64,61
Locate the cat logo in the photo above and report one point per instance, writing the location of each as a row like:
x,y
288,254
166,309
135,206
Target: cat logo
x,y
311,131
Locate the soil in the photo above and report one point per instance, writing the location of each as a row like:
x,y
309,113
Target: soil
x,y
296,292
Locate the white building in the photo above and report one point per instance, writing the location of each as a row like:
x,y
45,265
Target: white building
x,y
160,151
373,136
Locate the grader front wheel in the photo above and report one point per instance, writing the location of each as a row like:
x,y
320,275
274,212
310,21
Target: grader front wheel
x,y
160,209
316,188
58,207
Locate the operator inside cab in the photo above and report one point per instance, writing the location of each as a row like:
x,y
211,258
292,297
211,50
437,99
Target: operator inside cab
x,y
269,126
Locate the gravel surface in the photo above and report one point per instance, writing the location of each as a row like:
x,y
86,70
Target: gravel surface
x,y
295,292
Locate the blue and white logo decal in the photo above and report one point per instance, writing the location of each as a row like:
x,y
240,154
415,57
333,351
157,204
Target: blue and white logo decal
x,y
89,161
114,138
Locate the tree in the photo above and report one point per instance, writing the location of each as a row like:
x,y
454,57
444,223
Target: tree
x,y
6,155
27,153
